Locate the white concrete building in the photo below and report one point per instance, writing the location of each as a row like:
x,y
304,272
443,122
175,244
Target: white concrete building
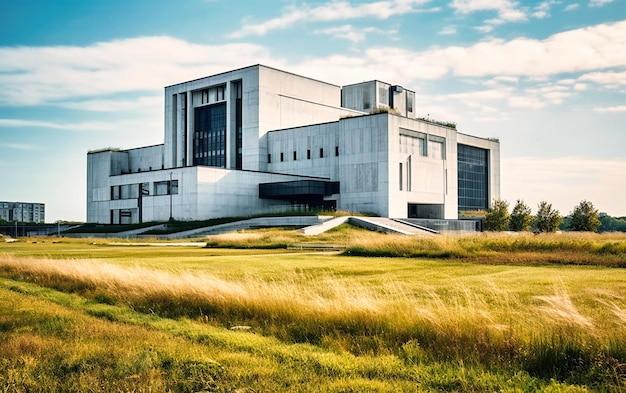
x,y
258,140
23,212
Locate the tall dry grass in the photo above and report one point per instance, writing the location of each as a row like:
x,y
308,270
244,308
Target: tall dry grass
x,y
608,249
493,327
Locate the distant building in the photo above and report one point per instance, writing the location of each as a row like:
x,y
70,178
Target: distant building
x,y
23,212
258,140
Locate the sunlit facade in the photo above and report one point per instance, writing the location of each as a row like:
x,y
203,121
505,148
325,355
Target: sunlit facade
x,y
259,140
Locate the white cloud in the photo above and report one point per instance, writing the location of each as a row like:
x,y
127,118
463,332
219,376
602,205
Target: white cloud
x,y
507,79
507,12
33,75
18,146
542,10
595,47
448,30
90,77
571,7
350,33
333,11
599,3
610,80
560,181
620,108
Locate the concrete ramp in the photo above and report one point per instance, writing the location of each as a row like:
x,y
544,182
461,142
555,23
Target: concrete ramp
x,y
325,226
388,225
378,224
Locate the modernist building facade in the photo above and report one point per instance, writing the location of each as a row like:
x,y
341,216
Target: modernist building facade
x,y
22,212
260,140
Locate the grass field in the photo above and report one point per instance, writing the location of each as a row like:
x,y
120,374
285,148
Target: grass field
x,y
513,313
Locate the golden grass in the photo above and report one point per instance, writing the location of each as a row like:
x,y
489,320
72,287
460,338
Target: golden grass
x,y
552,321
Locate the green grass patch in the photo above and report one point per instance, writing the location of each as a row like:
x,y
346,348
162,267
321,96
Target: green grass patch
x,y
514,320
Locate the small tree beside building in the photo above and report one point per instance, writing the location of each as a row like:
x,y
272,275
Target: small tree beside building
x,y
584,218
547,218
520,217
497,218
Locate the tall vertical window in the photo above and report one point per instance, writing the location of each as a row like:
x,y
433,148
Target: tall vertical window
x,y
473,183
400,178
308,154
366,99
321,152
238,125
383,95
210,135
295,155
408,174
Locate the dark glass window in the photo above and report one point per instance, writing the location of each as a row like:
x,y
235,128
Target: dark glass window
x,y
336,151
269,158
281,157
383,95
321,152
308,154
473,184
295,155
238,125
166,187
210,136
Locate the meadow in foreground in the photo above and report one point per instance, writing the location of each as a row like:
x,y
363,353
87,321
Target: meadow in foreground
x,y
337,322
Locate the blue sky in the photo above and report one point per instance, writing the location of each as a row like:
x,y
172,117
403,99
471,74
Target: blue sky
x,y
548,78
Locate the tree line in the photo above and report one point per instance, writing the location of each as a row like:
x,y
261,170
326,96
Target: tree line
x,y
584,217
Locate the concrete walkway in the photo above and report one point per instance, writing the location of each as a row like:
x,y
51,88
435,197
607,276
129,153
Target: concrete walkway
x,y
378,224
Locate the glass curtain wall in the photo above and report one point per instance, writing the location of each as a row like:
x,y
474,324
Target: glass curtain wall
x,y
473,167
210,135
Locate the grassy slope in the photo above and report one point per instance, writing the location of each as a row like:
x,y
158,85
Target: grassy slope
x,y
447,302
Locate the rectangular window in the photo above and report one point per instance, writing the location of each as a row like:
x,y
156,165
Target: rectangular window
x,y
400,176
238,125
408,174
166,187
269,158
366,99
383,95
308,154
282,158
161,187
115,193
336,151
435,150
145,189
210,135
294,156
473,177
321,152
